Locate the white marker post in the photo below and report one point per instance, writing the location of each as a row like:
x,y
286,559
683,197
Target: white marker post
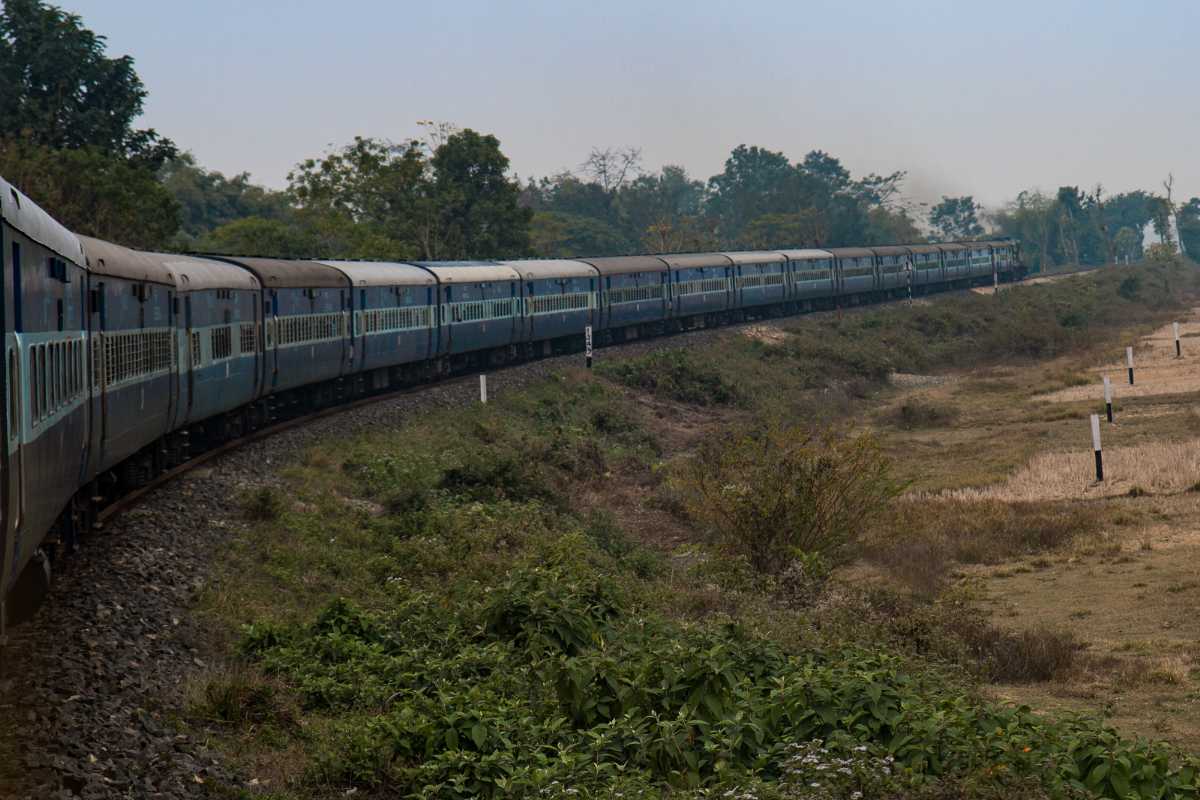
x,y
1096,448
1178,349
483,389
587,345
1129,361
1108,398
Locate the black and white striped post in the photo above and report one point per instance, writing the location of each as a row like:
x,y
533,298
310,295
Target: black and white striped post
x,y
1108,398
483,389
908,278
1096,447
1129,362
587,345
1178,349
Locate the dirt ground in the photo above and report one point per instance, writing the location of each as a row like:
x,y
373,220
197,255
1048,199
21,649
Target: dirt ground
x,y
1130,593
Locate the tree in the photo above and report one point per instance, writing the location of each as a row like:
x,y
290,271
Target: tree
x,y
93,192
664,211
956,218
755,182
209,200
554,234
1028,219
477,203
611,167
58,89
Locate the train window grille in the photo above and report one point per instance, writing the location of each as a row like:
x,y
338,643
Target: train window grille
x,y
633,294
221,343
558,303
702,286
197,355
43,395
246,343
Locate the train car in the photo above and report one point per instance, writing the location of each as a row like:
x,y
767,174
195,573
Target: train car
x,y
955,264
895,267
634,295
1005,255
857,273
979,259
701,285
559,301
812,277
927,265
219,351
306,331
394,327
480,310
45,387
759,280
131,310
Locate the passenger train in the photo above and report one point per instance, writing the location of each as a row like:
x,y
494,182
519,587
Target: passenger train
x,y
121,364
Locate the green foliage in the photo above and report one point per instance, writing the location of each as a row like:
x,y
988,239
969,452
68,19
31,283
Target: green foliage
x,y
956,218
776,494
675,374
58,89
264,504
209,200
93,192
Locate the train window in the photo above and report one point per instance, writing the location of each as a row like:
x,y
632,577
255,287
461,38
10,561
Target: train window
x,y
33,387
44,395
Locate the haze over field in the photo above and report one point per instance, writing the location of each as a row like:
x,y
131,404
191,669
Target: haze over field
x,y
970,100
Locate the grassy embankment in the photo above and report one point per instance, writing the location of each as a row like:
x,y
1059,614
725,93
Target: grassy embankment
x,y
513,600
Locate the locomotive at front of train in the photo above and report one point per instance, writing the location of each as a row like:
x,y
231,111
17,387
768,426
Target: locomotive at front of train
x,y
45,389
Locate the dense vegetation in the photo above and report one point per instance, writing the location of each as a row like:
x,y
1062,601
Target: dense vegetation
x,y
67,112
446,610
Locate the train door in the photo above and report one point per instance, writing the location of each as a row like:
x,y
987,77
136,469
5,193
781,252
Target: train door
x,y
193,352
11,510
271,307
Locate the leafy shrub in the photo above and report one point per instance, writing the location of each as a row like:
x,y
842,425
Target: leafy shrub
x,y
775,494
674,374
264,504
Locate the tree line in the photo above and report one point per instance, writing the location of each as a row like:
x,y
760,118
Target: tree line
x,y
68,138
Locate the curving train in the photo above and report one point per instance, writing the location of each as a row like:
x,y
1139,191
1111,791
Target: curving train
x,y
120,364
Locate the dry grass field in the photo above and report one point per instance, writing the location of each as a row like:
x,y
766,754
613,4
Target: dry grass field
x,y
1127,586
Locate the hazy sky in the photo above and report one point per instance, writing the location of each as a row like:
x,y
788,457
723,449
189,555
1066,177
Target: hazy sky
x,y
969,97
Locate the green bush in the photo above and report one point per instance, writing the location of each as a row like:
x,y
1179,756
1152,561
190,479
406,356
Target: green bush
x,y
776,494
674,374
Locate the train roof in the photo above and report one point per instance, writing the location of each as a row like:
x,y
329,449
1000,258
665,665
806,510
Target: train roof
x,y
951,247
383,273
696,260
892,250
281,273
541,268
924,248
194,274
470,271
755,257
27,217
106,258
623,265
852,252
806,254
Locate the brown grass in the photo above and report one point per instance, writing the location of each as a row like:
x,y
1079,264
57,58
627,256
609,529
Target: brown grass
x,y
925,537
1153,468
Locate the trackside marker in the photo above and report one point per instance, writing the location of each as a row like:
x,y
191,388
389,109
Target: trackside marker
x,y
483,389
1129,361
1096,447
1178,349
587,345
1108,398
